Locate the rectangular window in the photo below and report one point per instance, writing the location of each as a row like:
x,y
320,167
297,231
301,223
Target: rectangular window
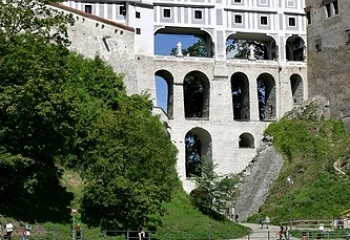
x,y
262,2
88,8
238,18
166,13
122,10
318,45
291,22
198,14
347,37
291,3
138,31
238,1
335,7
328,10
263,20
137,14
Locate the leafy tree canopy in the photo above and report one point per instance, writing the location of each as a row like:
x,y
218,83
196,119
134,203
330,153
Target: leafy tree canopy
x,y
59,109
31,16
214,193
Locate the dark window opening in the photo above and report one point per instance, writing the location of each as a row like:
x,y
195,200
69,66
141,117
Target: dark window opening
x,y
266,97
347,36
240,97
246,140
198,14
138,31
291,22
335,6
238,19
263,20
193,155
138,15
88,8
166,13
122,10
318,45
328,10
238,1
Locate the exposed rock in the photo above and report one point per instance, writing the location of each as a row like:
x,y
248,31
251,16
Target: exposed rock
x,y
263,171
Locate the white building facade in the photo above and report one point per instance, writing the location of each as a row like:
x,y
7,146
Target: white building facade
x,y
234,113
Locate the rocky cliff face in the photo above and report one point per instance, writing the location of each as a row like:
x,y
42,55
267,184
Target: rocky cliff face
x,y
258,179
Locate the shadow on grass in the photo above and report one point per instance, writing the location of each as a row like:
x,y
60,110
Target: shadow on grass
x,y
40,199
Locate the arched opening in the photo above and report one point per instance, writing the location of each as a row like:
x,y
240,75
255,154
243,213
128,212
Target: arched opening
x,y
253,46
180,41
240,96
246,140
196,95
296,83
164,91
266,96
197,144
295,49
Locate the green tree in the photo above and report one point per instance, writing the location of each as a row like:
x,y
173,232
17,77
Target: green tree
x,y
242,48
37,17
36,124
131,166
214,193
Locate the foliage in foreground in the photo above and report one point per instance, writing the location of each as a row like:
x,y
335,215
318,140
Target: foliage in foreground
x,y
310,149
59,110
213,193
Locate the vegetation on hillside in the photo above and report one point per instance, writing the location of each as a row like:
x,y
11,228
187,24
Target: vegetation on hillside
x,y
310,148
70,137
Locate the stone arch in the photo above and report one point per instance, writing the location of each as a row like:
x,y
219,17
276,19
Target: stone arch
x,y
295,48
264,46
297,87
196,95
246,140
240,96
198,143
166,93
178,35
266,96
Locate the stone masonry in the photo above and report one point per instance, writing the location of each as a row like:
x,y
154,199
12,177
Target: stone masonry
x,y
126,41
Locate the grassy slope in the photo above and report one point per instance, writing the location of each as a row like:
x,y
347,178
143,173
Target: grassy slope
x,y
182,219
310,150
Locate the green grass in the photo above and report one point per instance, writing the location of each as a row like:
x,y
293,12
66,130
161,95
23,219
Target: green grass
x,y
182,220
310,149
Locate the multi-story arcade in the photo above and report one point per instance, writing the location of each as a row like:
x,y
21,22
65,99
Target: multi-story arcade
x,y
235,98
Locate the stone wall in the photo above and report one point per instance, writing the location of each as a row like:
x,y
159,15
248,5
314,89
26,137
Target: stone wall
x,y
328,63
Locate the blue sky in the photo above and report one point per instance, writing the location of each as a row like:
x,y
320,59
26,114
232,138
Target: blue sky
x,y
163,45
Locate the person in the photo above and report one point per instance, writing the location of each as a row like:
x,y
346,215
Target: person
x,y
261,221
236,217
267,221
280,233
78,232
9,229
141,233
285,233
24,234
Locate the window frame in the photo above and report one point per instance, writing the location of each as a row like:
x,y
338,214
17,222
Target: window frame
x,y
292,22
166,13
88,8
200,14
236,17
262,19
